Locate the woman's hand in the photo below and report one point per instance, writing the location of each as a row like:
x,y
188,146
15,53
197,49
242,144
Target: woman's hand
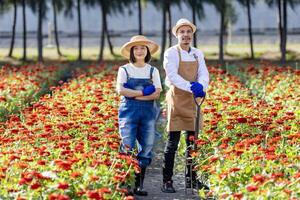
x,y
154,95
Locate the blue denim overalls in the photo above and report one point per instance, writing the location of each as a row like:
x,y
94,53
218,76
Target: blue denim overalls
x,y
137,121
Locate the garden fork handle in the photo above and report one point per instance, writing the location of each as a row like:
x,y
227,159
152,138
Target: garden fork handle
x,y
198,104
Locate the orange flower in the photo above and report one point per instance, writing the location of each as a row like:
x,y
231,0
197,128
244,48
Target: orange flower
x,y
75,174
94,178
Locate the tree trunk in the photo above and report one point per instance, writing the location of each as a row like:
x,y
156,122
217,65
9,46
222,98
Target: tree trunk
x,y
221,42
250,28
12,43
111,48
55,28
79,31
163,39
194,22
140,17
40,31
284,33
170,24
280,23
24,30
102,42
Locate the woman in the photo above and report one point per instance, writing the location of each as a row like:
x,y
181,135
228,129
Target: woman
x,y
139,84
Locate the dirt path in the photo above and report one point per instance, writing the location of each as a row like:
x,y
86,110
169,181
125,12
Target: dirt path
x,y
153,179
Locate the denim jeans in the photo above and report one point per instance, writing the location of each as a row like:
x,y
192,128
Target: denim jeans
x,y
170,151
137,123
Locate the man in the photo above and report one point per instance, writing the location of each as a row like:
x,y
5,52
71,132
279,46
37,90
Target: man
x,y
187,77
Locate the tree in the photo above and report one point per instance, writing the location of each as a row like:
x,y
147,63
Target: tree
x,y
12,43
108,7
24,30
165,6
57,6
248,4
140,16
39,6
197,9
227,14
282,22
79,29
40,31
5,7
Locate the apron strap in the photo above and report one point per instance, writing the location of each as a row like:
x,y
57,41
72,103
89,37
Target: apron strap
x,y
126,72
179,54
196,58
151,72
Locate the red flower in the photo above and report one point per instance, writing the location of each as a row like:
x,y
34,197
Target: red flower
x,y
93,194
35,186
129,198
191,138
251,188
63,186
238,195
41,162
258,178
234,169
22,181
241,120
277,175
65,165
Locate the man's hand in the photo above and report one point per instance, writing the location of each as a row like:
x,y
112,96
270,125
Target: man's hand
x,y
197,89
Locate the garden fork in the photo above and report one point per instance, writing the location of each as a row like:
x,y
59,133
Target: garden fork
x,y
189,159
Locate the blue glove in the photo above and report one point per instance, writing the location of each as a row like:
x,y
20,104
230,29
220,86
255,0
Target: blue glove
x,y
126,85
197,89
148,90
200,94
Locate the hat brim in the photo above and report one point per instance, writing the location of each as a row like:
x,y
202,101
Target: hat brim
x,y
175,28
152,46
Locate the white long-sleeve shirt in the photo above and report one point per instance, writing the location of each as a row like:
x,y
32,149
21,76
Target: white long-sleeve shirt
x,y
171,65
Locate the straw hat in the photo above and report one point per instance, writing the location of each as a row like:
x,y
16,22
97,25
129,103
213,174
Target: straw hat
x,y
183,22
138,40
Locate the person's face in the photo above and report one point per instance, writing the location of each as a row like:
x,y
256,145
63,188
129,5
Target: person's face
x,y
140,52
184,35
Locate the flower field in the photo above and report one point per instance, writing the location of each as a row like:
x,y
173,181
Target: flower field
x,y
66,145
20,86
250,145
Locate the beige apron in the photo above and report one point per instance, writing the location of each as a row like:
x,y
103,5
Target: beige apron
x,y
180,104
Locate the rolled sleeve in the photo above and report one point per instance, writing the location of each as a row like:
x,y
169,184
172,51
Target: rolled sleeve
x,y
156,79
121,78
171,65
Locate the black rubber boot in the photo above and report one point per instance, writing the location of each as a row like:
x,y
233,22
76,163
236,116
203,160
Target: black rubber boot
x,y
167,187
139,183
